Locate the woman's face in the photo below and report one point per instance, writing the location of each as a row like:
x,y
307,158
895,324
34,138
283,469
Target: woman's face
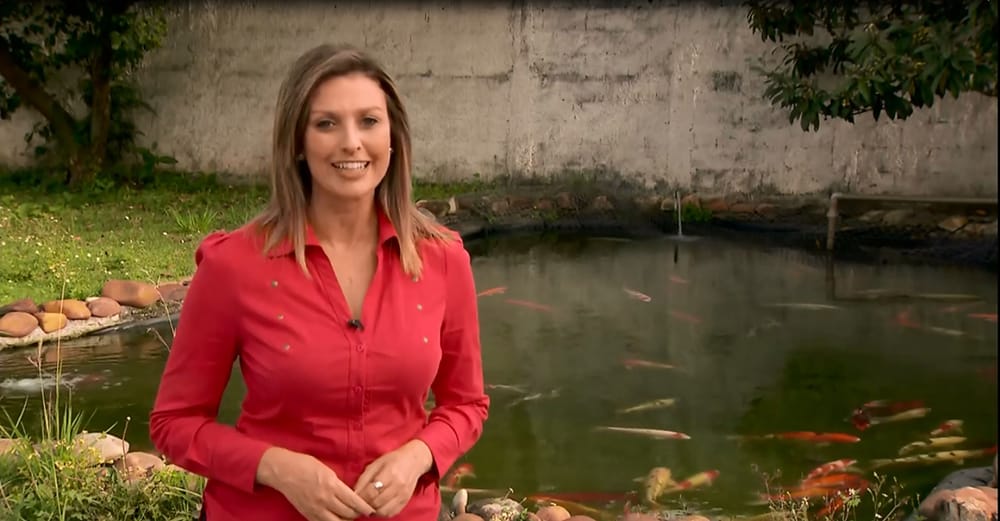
x,y
347,140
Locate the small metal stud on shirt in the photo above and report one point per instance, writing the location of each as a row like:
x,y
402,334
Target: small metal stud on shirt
x,y
274,283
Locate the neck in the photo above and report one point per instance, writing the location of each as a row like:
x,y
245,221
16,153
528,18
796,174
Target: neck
x,y
344,224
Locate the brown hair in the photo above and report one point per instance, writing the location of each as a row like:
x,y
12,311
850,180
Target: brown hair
x,y
284,217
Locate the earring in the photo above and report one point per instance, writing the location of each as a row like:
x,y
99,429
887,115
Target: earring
x,y
390,150
300,157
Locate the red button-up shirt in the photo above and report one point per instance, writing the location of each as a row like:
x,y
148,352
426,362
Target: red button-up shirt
x,y
315,384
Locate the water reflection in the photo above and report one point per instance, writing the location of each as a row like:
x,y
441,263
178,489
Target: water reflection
x,y
744,365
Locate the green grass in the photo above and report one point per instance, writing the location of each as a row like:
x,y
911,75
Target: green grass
x,y
50,237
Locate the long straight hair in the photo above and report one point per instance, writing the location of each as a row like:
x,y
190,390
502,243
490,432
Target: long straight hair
x,y
285,216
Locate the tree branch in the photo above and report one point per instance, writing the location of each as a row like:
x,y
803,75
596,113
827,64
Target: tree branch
x,y
36,97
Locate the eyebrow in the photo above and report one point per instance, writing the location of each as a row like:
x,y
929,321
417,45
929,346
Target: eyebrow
x,y
364,110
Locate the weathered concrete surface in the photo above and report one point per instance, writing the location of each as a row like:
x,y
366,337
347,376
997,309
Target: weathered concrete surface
x,y
658,93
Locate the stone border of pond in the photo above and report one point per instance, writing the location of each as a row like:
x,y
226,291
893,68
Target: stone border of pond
x,y
869,231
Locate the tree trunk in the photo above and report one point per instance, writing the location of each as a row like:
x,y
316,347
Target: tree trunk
x,y
100,104
37,98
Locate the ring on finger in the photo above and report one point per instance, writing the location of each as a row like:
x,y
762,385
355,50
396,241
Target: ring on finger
x,y
378,485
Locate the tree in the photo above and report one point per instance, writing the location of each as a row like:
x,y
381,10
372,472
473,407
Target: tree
x,y
842,58
72,61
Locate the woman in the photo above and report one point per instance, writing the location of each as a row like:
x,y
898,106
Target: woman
x,y
344,306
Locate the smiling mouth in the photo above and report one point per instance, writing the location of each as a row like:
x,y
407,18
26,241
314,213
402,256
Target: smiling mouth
x,y
350,165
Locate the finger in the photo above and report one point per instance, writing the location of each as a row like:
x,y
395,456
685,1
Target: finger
x,y
341,509
351,499
368,476
324,515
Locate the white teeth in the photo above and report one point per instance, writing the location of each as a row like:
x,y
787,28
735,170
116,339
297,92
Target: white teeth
x,y
350,165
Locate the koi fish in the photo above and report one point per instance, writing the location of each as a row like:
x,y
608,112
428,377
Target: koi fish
x,y
989,317
648,433
571,506
678,280
529,304
499,290
686,317
840,480
911,414
931,442
829,468
630,363
954,456
806,306
656,483
637,295
808,436
698,480
507,387
952,426
453,478
903,319
534,396
652,404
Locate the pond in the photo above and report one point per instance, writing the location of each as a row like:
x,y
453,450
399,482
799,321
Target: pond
x,y
760,340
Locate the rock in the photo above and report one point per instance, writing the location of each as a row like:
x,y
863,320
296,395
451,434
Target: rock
x,y
544,205
130,293
716,205
953,224
969,504
496,509
692,518
602,204
581,518
668,205
648,203
73,309
565,201
993,483
108,447
172,292
25,305
17,324
500,206
897,217
691,200
639,516
467,517
553,513
437,207
872,216
136,466
50,322
7,445
518,203
973,478
741,208
103,307
766,209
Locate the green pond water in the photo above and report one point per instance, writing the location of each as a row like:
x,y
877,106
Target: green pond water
x,y
744,366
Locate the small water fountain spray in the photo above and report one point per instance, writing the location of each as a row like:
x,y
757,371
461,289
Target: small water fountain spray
x,y
677,204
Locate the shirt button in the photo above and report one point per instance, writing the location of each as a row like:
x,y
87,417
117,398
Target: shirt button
x,y
357,389
425,340
420,306
361,346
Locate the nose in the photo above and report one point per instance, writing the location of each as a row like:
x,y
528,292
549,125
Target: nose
x,y
352,138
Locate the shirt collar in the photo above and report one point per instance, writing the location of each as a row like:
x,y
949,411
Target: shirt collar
x,y
386,231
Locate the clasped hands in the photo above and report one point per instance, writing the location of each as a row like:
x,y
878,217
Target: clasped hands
x,y
383,489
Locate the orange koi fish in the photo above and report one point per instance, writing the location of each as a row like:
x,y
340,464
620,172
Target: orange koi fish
x,y
829,468
686,317
903,319
840,480
453,478
529,304
637,295
492,291
698,480
808,436
989,317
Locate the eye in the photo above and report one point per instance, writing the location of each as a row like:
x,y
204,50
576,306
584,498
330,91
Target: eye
x,y
324,123
369,121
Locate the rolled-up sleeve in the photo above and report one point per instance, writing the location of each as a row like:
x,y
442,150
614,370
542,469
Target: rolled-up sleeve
x,y
183,423
461,405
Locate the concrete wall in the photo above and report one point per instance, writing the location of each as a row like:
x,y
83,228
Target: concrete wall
x,y
660,93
